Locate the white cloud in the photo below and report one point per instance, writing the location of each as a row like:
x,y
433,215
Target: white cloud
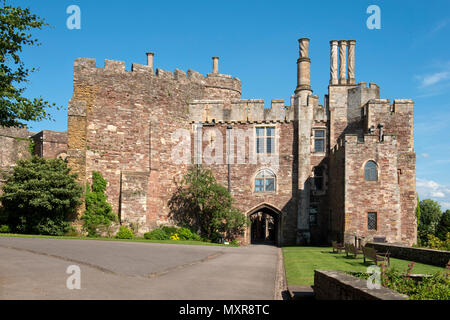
x,y
432,79
445,205
433,190
434,83
440,25
425,155
438,194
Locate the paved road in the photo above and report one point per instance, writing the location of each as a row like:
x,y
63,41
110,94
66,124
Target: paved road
x,y
36,269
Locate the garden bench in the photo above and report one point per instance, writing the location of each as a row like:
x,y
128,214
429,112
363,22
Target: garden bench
x,y
337,247
372,254
351,249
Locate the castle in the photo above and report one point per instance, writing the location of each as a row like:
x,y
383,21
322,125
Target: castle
x,y
303,173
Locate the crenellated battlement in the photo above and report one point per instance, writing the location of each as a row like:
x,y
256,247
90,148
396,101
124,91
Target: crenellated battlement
x,y
384,107
212,81
240,110
361,141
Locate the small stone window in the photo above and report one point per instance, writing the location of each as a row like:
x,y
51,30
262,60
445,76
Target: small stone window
x,y
265,140
372,221
265,181
371,171
319,140
318,178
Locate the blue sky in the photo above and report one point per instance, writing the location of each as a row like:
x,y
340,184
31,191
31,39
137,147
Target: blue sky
x,y
257,42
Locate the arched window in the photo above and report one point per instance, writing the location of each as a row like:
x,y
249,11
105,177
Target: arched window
x,y
265,181
371,171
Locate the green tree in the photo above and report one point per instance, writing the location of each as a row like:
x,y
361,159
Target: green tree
x,y
430,215
99,213
40,197
444,226
418,211
15,26
205,205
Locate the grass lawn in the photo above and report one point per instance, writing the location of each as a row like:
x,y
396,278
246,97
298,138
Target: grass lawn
x,y
300,263
188,242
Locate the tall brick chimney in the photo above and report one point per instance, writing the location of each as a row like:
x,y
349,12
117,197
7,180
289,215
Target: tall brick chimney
x,y
333,62
342,61
215,64
150,59
303,66
351,61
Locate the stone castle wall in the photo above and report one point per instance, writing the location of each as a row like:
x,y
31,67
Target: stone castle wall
x,y
242,175
122,123
50,144
14,146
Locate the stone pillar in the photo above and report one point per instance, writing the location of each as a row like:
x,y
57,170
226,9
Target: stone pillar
x,y
303,67
333,62
351,61
342,61
150,59
215,64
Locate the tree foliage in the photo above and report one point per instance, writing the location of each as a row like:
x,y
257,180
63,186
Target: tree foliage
x,y
15,26
443,227
205,205
40,197
418,211
430,215
99,213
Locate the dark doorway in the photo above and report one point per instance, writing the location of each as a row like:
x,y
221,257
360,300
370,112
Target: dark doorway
x,y
264,226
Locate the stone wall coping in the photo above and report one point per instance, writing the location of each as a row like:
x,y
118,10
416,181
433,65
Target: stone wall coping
x,y
219,75
408,247
396,101
359,286
381,101
423,255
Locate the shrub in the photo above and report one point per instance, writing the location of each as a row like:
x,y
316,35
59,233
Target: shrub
x,y
435,287
203,204
187,234
124,233
170,230
175,237
157,234
438,244
5,229
40,197
99,213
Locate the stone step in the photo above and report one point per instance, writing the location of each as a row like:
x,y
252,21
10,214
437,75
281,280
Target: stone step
x,y
301,292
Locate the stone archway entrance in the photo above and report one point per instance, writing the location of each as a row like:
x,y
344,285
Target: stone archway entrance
x,y
264,226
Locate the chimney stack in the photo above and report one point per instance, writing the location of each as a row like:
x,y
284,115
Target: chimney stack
x,y
333,62
342,61
303,67
351,61
150,59
215,64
